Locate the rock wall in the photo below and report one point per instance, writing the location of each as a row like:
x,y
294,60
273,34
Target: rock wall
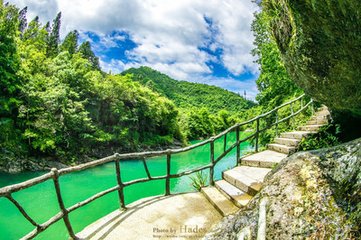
x,y
317,40
11,166
314,195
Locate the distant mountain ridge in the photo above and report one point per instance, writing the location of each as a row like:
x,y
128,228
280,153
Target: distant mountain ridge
x,y
187,94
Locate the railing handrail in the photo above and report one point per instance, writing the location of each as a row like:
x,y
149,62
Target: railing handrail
x,y
55,174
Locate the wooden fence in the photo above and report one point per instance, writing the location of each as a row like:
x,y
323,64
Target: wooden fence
x,y
55,174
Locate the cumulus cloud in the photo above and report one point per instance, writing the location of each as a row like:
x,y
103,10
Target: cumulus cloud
x,y
170,36
231,84
114,66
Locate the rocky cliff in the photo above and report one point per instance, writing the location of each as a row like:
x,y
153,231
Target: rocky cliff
x,y
317,40
313,195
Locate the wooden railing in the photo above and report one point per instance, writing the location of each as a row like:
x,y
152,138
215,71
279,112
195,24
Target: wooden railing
x,y
55,174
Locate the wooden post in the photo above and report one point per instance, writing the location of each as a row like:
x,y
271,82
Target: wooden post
x,y
276,123
238,155
146,168
292,112
22,210
225,142
257,133
61,203
211,170
120,185
167,180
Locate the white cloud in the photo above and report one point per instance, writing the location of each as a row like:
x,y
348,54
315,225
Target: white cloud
x,y
46,9
114,66
168,34
232,84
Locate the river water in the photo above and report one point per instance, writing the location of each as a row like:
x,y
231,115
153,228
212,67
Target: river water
x,y
40,201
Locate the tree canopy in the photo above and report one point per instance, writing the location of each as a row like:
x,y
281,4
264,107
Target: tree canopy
x,y
204,110
186,94
55,102
274,83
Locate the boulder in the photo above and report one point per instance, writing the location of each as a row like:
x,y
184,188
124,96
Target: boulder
x,y
313,195
318,43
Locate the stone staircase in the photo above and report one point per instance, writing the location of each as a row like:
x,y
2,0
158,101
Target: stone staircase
x,y
241,183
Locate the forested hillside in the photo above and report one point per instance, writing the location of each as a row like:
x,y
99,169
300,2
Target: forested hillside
x,y
186,94
55,101
204,110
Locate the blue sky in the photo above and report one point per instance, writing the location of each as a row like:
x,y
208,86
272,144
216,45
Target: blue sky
x,y
194,40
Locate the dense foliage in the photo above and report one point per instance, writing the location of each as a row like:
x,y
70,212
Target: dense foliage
x,y
320,42
327,136
205,110
274,83
56,103
186,94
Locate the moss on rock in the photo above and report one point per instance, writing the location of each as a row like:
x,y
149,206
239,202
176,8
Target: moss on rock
x,y
311,195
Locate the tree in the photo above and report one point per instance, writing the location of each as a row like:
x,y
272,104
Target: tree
x,y
10,83
47,26
54,37
70,42
34,37
274,83
9,61
22,19
185,94
87,53
200,123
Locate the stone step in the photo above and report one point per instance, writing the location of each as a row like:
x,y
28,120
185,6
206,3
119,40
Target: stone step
x,y
248,179
237,196
266,159
245,234
320,117
322,113
256,173
291,142
323,108
281,148
223,205
317,122
310,127
296,134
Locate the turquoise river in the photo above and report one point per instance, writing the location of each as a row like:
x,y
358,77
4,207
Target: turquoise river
x,y
40,200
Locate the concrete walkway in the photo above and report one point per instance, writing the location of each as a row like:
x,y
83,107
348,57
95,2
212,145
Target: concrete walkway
x,y
183,216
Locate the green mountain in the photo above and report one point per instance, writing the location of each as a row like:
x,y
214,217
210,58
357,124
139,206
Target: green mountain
x,y
186,94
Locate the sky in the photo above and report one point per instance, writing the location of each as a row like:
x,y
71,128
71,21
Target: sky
x,y
206,41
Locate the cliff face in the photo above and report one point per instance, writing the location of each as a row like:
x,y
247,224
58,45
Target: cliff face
x,y
315,195
318,40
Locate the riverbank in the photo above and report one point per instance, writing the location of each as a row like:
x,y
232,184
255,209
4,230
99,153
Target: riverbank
x,y
9,163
